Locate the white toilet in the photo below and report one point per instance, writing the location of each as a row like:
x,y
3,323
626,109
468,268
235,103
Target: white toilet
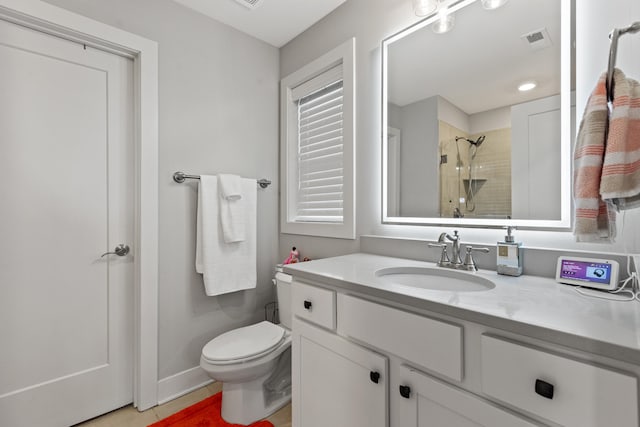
x,y
254,363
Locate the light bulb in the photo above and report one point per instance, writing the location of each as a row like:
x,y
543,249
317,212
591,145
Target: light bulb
x,y
444,23
424,7
493,4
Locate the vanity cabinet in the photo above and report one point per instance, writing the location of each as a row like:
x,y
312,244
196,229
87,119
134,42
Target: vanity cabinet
x,y
432,370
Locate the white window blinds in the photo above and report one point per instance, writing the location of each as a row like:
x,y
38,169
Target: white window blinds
x,y
320,196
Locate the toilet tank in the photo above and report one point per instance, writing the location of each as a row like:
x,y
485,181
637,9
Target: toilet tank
x,y
283,289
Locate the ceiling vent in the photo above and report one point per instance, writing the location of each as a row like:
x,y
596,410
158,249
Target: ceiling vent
x,y
250,4
537,39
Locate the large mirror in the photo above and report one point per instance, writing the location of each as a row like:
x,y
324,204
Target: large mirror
x,y
463,143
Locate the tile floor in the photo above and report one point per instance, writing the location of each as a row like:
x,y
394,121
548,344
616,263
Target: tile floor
x,y
130,417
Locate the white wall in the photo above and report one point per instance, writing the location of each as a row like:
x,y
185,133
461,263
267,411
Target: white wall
x,y
449,113
370,21
218,112
499,118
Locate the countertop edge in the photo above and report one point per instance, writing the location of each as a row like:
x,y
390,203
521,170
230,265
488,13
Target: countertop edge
x,y
557,337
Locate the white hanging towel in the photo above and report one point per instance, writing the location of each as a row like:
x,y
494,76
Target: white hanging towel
x,y
232,208
226,267
230,186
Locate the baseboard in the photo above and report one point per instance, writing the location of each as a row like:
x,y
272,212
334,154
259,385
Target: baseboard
x,y
181,383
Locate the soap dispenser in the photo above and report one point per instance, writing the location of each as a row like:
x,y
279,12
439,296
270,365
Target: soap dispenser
x,y
509,255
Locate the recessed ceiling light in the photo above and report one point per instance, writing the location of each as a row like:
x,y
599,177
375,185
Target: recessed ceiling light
x,y
527,86
493,4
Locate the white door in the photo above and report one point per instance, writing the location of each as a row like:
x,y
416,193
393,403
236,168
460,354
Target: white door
x,y
66,197
535,159
335,382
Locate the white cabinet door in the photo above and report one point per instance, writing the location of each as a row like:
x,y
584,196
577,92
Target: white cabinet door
x,y
418,400
335,382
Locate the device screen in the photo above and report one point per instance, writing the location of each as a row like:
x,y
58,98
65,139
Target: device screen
x,y
586,271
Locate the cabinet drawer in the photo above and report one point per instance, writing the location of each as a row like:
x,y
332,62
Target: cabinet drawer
x,y
421,400
565,391
429,343
317,305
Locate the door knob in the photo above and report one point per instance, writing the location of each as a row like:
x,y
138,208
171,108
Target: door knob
x,y
120,250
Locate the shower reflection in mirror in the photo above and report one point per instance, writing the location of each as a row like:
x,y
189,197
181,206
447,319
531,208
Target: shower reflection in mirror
x,y
466,166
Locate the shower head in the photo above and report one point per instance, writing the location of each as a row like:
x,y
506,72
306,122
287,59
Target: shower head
x,y
475,143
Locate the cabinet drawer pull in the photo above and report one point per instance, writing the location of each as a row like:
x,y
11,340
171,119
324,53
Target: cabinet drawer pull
x,y
405,391
544,389
307,305
374,376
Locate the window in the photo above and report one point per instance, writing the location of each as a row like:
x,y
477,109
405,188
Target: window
x,y
318,147
320,155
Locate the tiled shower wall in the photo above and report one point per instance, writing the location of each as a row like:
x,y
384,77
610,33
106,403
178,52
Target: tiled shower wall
x,y
491,173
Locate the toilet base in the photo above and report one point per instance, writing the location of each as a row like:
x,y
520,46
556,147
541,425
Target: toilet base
x,y
244,403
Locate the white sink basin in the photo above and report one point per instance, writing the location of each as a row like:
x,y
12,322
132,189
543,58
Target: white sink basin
x,y
435,279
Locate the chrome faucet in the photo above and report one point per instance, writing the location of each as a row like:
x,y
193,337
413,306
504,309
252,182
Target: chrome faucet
x,y
455,249
444,257
456,261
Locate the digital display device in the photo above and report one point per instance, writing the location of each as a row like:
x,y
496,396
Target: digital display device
x,y
589,272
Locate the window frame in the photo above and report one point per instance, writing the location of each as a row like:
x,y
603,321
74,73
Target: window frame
x,y
345,55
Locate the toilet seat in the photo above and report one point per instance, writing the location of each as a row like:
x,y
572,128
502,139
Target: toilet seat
x,y
243,344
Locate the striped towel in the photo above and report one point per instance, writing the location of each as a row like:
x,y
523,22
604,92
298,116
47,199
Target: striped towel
x,y
594,219
620,182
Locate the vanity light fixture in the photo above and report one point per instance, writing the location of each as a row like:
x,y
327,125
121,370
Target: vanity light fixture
x,y
425,7
444,23
493,4
527,86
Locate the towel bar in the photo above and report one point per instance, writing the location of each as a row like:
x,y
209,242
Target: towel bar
x,y
613,52
180,177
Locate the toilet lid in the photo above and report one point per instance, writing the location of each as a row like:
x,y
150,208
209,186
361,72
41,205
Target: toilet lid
x,y
244,342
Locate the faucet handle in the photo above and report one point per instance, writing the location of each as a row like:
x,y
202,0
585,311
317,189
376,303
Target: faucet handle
x,y
444,257
469,262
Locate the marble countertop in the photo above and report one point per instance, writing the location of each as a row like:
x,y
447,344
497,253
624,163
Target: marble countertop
x,y
533,306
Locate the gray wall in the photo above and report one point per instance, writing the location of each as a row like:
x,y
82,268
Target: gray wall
x,y
370,21
218,112
419,192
